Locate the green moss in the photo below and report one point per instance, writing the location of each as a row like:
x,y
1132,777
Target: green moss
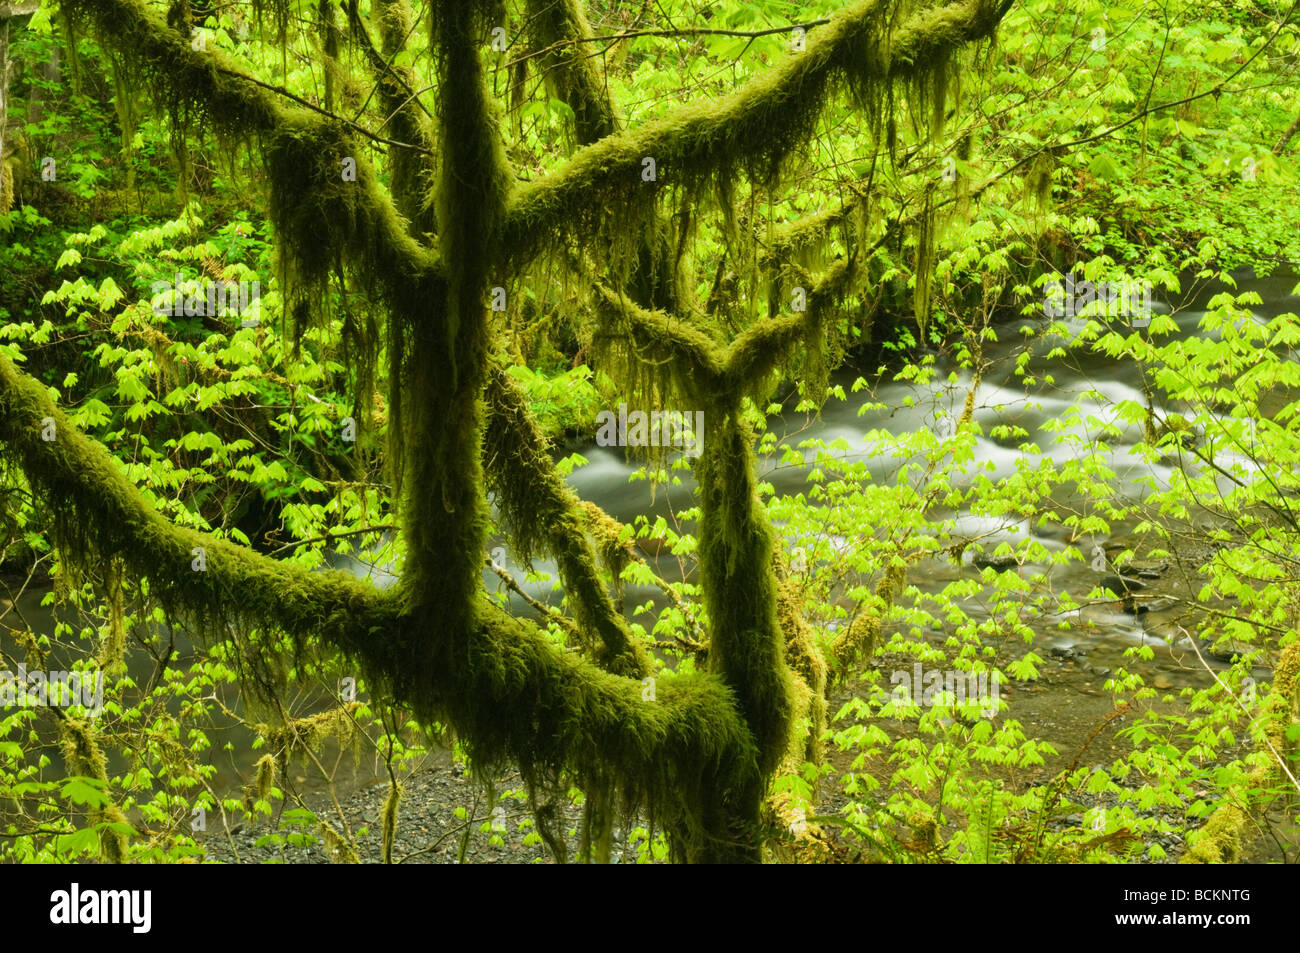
x,y
698,757
755,130
685,758
95,509
338,847
923,270
266,770
1220,840
388,820
542,515
569,68
6,187
808,664
301,736
735,551
658,359
112,651
1038,180
414,173
860,639
83,758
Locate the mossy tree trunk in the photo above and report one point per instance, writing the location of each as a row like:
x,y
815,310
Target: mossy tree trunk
x,y
699,755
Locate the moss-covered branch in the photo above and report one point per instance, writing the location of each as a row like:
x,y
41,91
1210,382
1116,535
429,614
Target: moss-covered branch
x,y
657,355
208,582
569,70
859,639
685,757
735,550
756,128
181,72
558,29
204,85
762,347
617,550
83,758
323,218
697,753
541,514
444,513
543,611
413,173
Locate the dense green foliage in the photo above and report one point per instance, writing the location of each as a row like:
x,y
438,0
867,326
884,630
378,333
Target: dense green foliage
x,y
466,244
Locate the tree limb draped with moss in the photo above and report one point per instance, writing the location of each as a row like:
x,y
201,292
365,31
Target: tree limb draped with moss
x,y
698,757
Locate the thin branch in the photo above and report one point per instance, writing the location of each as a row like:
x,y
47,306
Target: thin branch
x,y
1281,762
549,612
307,104
684,32
330,537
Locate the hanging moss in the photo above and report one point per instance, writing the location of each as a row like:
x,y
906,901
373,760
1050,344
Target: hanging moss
x,y
266,770
569,67
769,345
685,758
320,218
549,824
413,174
112,652
83,758
183,78
597,836
646,266
698,757
923,269
735,550
542,515
337,847
659,360
94,508
327,24
757,128
1038,181
308,734
860,639
6,187
388,820
807,236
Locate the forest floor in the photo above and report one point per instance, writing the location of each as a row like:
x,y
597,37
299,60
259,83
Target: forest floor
x,y
428,831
